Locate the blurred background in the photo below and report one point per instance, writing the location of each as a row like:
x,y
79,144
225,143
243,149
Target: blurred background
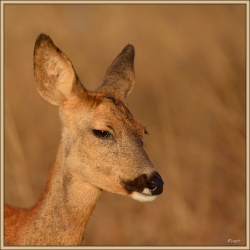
x,y
190,93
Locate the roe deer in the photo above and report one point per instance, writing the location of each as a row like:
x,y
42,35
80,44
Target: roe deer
x,y
101,148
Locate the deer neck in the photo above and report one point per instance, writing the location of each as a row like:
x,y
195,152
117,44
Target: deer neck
x,y
66,204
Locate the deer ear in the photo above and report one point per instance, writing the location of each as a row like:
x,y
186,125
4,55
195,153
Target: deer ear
x,y
55,76
120,76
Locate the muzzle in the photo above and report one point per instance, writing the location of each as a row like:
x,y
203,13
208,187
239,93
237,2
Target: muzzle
x,y
143,188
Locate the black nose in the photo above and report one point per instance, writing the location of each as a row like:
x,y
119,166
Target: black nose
x,y
155,184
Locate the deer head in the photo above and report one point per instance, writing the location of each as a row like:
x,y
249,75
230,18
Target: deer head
x,y
102,142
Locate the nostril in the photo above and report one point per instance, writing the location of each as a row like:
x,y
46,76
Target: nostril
x,y
155,184
151,185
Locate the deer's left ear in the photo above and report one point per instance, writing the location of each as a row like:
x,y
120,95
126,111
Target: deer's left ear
x,y
120,77
55,76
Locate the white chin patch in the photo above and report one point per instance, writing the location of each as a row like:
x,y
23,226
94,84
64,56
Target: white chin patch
x,y
143,197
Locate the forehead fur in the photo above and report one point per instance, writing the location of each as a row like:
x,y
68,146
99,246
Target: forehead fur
x,y
122,112
117,108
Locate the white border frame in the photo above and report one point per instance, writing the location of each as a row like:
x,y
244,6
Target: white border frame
x,y
126,2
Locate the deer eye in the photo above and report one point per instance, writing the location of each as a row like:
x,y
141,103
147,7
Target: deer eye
x,y
102,134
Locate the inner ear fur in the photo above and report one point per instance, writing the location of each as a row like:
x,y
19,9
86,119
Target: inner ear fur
x,y
55,76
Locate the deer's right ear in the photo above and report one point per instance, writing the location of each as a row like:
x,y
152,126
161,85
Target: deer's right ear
x,y
55,76
120,76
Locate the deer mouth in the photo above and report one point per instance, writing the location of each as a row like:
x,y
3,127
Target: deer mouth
x,y
143,188
143,197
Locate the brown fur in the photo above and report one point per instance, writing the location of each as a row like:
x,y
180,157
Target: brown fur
x,y
84,165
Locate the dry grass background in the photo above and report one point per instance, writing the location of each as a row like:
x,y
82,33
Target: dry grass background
x,y
190,93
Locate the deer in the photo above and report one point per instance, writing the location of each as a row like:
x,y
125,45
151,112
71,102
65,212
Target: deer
x,y
101,149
